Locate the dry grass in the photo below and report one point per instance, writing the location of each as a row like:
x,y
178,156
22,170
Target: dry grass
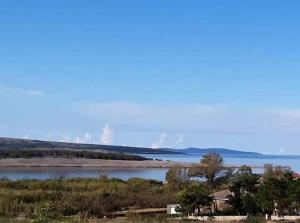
x,y
66,162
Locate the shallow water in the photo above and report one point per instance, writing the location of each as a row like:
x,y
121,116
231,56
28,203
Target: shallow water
x,y
16,173
253,160
147,173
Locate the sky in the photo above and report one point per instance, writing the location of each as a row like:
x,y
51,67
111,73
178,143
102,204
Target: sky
x,y
152,73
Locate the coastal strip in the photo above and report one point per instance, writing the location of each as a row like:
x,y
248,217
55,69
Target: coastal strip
x,y
77,162
100,163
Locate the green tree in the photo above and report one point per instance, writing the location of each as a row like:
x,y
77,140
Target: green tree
x,y
273,195
212,168
271,171
177,178
196,197
244,188
294,196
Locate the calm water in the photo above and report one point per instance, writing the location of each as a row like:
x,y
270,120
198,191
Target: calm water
x,y
291,161
147,173
16,173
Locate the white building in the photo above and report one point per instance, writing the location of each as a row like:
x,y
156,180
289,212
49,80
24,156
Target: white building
x,y
172,209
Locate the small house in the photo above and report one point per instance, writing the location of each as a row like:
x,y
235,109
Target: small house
x,y
221,199
172,209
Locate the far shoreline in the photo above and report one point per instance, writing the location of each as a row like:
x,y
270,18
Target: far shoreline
x,y
86,163
96,163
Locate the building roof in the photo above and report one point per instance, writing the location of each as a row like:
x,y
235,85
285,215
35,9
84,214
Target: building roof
x,y
296,176
221,195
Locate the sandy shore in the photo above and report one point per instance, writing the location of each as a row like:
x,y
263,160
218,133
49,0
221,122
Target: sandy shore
x,y
64,162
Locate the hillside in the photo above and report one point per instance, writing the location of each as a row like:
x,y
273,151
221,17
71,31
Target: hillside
x,y
71,154
25,144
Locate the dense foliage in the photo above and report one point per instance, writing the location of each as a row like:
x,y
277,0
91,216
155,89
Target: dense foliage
x,y
194,198
212,169
244,187
40,153
85,197
177,178
276,191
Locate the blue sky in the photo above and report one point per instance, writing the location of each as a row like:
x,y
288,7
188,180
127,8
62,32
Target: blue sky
x,y
152,73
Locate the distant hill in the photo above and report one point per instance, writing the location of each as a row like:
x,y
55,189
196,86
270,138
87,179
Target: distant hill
x,y
25,144
22,144
221,151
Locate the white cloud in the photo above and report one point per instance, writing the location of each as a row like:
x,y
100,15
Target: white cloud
x,y
179,140
202,125
66,139
107,135
192,117
148,116
160,143
86,138
22,91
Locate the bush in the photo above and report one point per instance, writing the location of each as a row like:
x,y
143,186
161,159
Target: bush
x,y
50,213
85,197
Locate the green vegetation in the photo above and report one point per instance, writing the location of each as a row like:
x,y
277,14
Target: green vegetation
x,y
212,169
42,153
177,178
193,198
274,192
244,188
78,200
52,199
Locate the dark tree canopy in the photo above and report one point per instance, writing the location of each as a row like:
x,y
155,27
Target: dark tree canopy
x,y
274,194
196,197
244,188
65,153
212,168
